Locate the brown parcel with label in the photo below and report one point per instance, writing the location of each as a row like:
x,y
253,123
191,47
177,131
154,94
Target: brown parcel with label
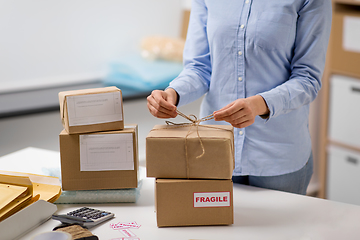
x,y
74,179
345,60
170,153
182,202
87,121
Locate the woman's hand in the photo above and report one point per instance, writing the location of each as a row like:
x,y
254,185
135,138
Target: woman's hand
x,y
242,112
161,104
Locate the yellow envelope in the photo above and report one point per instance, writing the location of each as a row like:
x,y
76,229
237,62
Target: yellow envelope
x,y
49,188
9,193
14,206
19,190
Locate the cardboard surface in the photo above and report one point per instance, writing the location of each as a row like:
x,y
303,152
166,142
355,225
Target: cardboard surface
x,y
106,126
350,2
74,179
176,200
166,148
344,61
185,23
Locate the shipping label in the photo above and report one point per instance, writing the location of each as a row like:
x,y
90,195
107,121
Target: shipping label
x,y
351,34
211,199
94,108
106,152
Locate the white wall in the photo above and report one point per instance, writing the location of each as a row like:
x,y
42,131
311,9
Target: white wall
x,y
50,42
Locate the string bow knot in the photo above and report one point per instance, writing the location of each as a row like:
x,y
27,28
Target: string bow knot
x,y
194,122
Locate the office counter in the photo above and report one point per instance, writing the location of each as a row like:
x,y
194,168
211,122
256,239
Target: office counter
x,y
258,214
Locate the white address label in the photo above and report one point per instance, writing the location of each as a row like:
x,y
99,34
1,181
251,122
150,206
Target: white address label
x,y
106,152
94,108
212,199
351,34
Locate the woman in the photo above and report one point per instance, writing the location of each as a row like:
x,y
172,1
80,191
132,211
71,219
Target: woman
x,y
260,63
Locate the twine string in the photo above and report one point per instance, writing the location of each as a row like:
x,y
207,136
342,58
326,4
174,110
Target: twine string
x,y
194,122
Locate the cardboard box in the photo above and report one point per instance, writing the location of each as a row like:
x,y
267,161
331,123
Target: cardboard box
x,y
173,152
345,47
92,110
182,202
185,23
101,160
351,2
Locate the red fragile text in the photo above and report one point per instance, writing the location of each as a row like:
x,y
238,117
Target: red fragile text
x,y
211,199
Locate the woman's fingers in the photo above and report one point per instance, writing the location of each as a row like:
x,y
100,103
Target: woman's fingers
x,y
159,105
225,112
232,111
238,113
155,112
162,98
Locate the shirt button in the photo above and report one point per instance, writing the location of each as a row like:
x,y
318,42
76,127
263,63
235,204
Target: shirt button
x,y
247,1
240,79
241,133
242,26
240,53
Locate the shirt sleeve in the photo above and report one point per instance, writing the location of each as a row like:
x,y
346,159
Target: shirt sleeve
x,y
308,62
194,80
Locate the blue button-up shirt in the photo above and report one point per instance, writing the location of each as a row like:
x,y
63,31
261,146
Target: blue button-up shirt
x,y
273,48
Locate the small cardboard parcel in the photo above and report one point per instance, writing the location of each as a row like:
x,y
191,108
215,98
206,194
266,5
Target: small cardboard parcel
x,y
91,110
345,38
202,152
183,202
101,160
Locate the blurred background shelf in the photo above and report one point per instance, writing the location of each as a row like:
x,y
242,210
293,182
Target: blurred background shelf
x,y
339,156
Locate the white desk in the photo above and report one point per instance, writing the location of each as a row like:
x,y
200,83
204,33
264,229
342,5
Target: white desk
x,y
259,214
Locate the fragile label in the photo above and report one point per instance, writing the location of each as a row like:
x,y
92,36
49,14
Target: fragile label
x,y
212,199
94,108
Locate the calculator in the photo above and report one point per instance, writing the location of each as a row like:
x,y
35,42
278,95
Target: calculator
x,y
86,217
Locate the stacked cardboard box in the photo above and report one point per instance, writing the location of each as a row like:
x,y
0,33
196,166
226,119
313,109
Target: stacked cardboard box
x,y
97,151
193,168
345,46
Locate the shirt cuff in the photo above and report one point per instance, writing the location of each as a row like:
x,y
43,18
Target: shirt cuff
x,y
183,93
177,96
275,104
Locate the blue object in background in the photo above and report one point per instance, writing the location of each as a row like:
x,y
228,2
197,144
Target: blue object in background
x,y
136,76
